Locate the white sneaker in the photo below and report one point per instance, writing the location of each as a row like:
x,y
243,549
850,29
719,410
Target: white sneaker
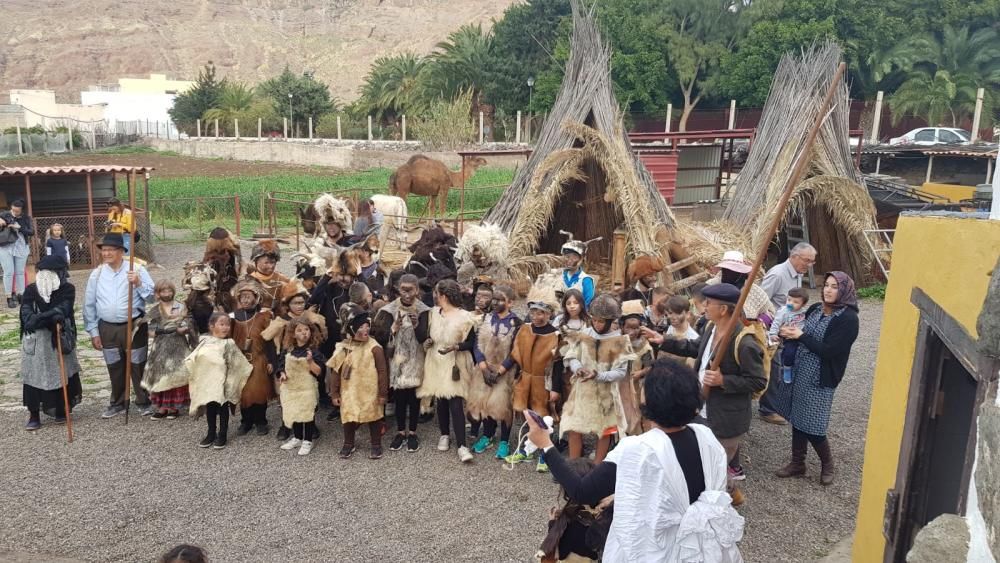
x,y
464,455
307,447
443,443
291,444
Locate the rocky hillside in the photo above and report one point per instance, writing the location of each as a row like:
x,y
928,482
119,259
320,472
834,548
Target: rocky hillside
x,y
67,46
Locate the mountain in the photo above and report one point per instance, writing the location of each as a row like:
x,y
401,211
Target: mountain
x,y
69,45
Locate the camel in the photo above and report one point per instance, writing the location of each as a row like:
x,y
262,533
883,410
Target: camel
x,y
425,176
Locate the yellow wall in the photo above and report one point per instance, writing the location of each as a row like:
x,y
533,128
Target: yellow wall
x,y
155,84
953,192
950,259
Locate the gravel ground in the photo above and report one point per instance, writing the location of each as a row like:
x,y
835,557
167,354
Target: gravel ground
x,y
127,493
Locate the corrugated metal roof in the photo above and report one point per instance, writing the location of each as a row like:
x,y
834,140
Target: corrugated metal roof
x,y
79,169
973,151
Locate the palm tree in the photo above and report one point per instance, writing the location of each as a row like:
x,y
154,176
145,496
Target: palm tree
x,y
236,99
394,86
460,63
936,97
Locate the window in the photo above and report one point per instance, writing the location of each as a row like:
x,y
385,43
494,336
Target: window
x,y
924,136
947,136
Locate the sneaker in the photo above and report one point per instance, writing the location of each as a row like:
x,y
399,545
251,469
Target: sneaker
x,y
33,425
464,455
334,415
159,415
426,417
346,452
397,442
263,429
172,415
284,433
244,429
147,410
113,411
207,442
444,442
376,453
307,447
482,444
774,418
291,444
390,410
412,444
516,457
541,466
503,450
11,303
737,474
220,443
59,420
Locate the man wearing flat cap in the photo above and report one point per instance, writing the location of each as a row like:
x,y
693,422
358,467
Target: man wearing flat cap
x,y
727,407
105,318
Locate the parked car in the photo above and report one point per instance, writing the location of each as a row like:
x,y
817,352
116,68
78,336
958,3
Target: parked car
x,y
933,136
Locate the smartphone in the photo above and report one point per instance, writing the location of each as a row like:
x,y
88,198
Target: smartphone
x,y
538,419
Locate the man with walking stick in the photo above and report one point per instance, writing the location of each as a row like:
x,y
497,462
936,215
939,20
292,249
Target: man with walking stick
x,y
116,326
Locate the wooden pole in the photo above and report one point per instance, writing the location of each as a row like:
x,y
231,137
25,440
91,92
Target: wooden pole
x,y
199,128
70,129
732,114
724,334
517,136
369,128
131,293
404,126
975,117
65,383
31,213
480,128
930,166
310,127
670,116
284,127
338,128
877,121
236,127
216,128
90,217
260,123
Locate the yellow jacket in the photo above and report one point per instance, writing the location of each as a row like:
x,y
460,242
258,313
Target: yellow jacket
x,y
124,220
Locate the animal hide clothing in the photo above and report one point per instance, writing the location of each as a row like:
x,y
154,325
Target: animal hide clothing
x,y
405,351
440,369
247,333
271,286
165,368
495,338
276,330
594,405
535,354
361,381
217,373
299,393
630,389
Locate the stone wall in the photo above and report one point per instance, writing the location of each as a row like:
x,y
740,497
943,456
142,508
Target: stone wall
x,y
344,154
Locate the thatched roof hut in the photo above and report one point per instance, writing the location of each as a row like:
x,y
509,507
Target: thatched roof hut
x,y
583,176
832,198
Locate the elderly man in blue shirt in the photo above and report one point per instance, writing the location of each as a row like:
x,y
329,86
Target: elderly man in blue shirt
x,y
105,318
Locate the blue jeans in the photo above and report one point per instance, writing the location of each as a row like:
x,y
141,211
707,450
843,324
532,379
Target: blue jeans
x,y
766,403
13,270
127,240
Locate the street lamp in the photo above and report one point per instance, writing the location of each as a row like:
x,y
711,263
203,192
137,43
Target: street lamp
x,y
291,120
531,84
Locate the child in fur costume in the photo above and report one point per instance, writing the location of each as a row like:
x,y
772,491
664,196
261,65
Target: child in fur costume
x,y
264,259
298,370
217,372
448,334
173,335
394,327
249,323
359,381
598,359
222,253
489,400
630,388
534,352
293,307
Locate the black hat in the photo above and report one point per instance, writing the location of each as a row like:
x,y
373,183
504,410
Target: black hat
x,y
725,292
112,239
52,262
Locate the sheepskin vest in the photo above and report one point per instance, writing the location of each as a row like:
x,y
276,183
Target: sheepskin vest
x,y
595,406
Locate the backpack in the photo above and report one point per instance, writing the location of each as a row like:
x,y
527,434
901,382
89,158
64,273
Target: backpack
x,y
756,330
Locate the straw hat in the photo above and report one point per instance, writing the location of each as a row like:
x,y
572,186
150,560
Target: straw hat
x,y
734,260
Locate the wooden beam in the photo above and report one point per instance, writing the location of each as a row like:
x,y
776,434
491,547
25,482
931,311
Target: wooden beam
x,y
680,264
954,335
689,281
90,217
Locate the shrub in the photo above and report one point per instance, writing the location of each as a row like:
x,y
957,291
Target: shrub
x,y
876,291
447,124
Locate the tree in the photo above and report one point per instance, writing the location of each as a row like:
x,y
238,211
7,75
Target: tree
x,y
235,100
459,64
309,97
940,98
394,86
191,105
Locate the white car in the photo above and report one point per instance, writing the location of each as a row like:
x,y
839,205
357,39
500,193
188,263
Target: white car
x,y
933,136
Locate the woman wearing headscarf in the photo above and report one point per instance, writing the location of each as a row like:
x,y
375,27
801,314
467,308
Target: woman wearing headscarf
x,y
830,330
46,303
15,229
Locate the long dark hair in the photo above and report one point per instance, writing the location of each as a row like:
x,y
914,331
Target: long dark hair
x,y
578,295
572,511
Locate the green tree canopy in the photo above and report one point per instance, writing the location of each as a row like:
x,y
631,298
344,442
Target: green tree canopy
x,y
394,86
191,105
309,97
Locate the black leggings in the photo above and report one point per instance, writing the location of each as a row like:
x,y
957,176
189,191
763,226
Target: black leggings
x,y
304,430
490,429
374,432
452,412
216,412
254,414
406,400
800,438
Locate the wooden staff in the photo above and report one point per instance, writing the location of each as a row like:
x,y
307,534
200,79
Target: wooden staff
x,y
779,214
65,383
131,291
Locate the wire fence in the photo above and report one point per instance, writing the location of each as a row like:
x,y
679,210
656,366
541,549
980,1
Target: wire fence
x,y
83,232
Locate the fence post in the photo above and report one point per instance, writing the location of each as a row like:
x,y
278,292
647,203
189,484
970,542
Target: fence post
x,y
236,204
93,138
732,114
216,128
69,127
197,210
404,126
517,136
259,124
236,127
199,128
338,127
977,115
20,149
369,128
878,118
480,128
168,131
670,116
284,127
310,127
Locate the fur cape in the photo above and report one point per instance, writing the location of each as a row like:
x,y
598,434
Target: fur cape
x,y
406,353
490,240
440,370
165,368
332,209
493,400
217,373
299,394
594,406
